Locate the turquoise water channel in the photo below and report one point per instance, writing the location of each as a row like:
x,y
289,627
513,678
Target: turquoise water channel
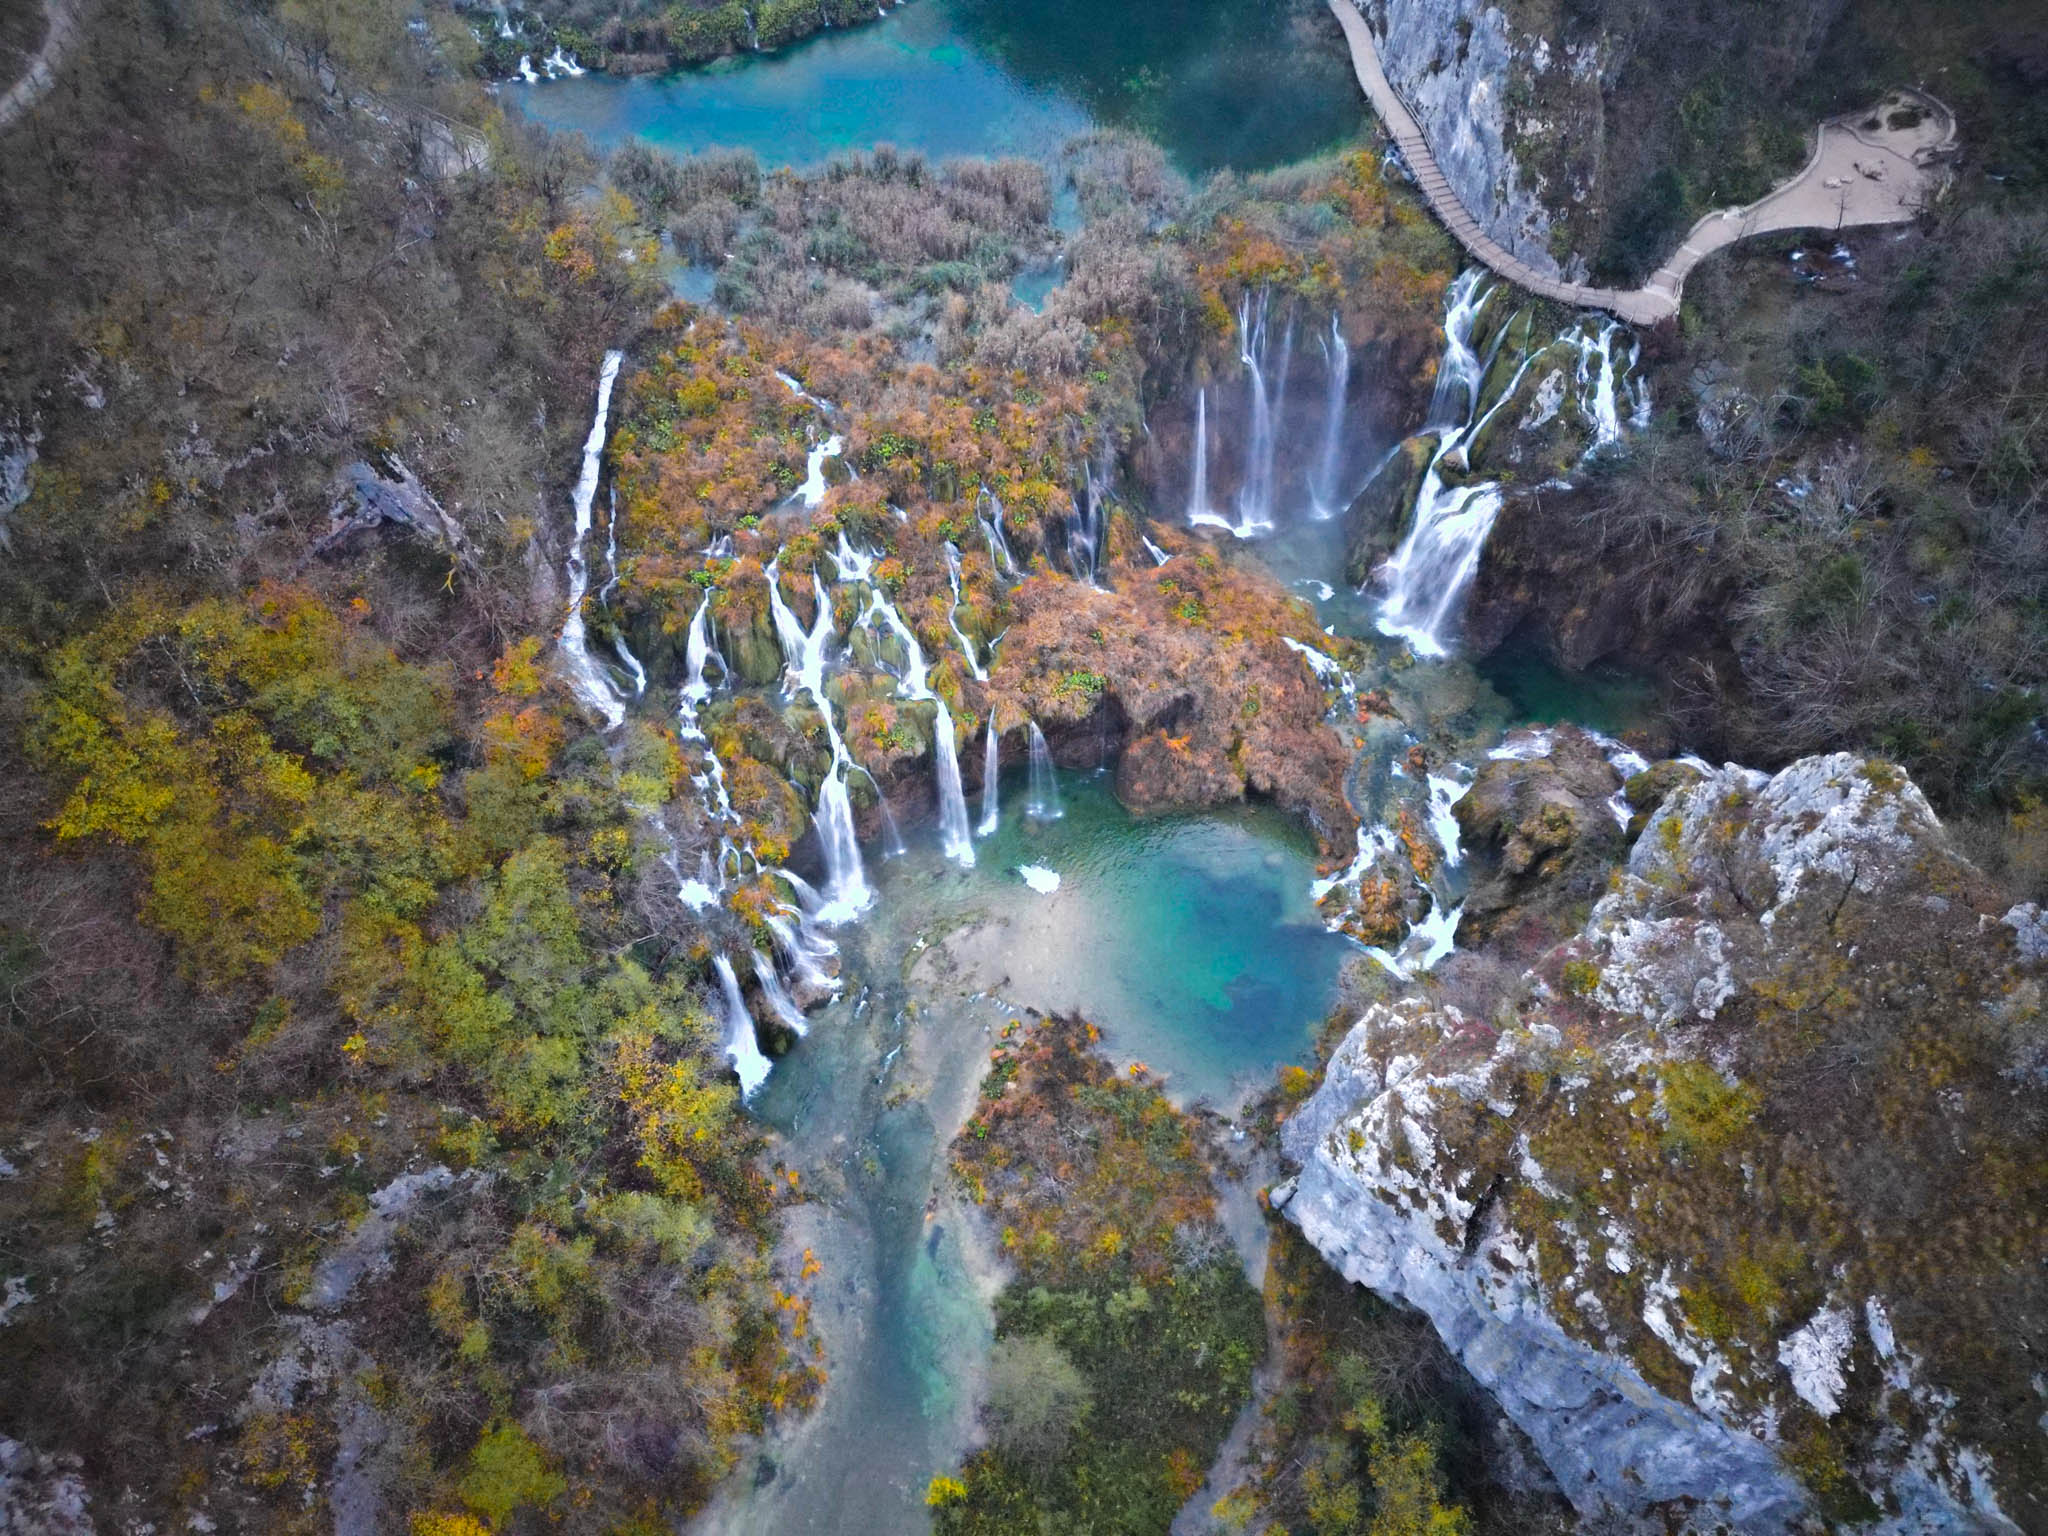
x,y
1245,86
1189,938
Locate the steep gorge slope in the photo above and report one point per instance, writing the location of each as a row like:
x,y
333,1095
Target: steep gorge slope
x,y
1734,1200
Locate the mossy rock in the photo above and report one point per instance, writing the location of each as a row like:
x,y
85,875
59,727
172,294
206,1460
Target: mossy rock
x,y
1648,790
1378,517
1516,334
754,652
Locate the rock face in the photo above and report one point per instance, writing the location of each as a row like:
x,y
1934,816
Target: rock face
x,y
1735,1203
1549,826
1550,117
1192,661
1455,63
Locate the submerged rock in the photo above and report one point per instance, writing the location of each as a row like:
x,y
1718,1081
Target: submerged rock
x,y
1736,1207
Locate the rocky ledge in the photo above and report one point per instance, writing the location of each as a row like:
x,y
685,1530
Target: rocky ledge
x,y
1735,1198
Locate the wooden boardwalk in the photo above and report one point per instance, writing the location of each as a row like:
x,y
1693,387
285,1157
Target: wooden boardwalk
x,y
1861,172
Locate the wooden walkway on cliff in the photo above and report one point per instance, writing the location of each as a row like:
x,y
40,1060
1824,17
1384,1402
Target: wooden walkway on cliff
x,y
1877,167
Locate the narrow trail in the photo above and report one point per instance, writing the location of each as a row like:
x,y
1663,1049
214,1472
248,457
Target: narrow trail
x,y
1882,166
66,18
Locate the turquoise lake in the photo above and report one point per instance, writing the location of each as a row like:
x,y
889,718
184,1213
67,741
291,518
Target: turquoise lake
x,y
1243,87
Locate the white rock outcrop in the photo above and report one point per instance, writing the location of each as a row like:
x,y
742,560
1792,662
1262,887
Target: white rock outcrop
x,y
1565,1289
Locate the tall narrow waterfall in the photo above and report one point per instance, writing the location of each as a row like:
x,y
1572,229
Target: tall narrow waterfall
x,y
697,653
1045,779
989,512
1255,496
1199,510
953,614
991,777
1325,493
740,1045
586,678
954,836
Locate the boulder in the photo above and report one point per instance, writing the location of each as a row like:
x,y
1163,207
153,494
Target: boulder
x,y
1735,1205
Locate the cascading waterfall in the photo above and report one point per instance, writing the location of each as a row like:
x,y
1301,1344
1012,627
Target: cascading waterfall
x,y
812,491
991,775
1603,382
803,951
974,665
780,1003
697,653
1088,529
1324,493
988,512
1199,510
740,1045
954,836
1438,559
1457,376
847,891
913,684
1436,562
1044,803
1255,496
586,678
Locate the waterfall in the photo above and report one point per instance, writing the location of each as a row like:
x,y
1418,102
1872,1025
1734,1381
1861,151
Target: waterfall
x,y
853,565
780,1003
892,835
953,834
1457,375
696,652
1603,382
812,491
803,652
991,776
953,614
1159,556
698,891
1199,510
847,892
1045,780
1435,563
1088,528
740,1044
1255,496
1438,559
914,684
586,679
992,526
1323,490
802,952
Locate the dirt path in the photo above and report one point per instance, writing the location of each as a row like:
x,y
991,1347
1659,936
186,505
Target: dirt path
x,y
41,73
1877,167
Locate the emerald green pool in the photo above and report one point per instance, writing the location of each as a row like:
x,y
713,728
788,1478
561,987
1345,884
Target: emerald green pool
x,y
1244,86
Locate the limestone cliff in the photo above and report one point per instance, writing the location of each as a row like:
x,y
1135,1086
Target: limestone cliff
x,y
1576,131
1735,1200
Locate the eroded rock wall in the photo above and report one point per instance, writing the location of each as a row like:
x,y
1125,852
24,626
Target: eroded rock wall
x,y
1695,1202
